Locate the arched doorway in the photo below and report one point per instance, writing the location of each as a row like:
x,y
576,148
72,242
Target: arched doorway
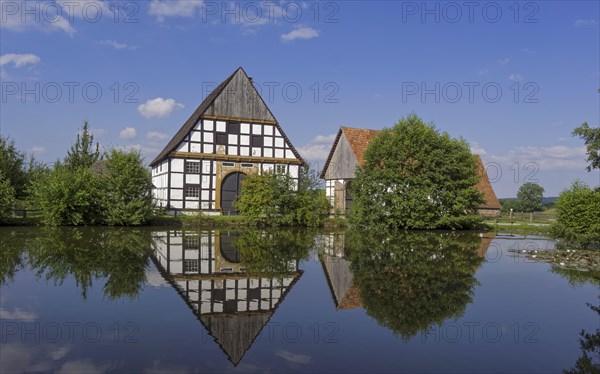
x,y
230,189
348,197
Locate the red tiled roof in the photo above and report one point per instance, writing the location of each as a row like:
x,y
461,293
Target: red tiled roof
x,y
359,140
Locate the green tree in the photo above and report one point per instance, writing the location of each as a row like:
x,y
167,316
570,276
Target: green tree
x,y
83,153
13,165
409,281
128,189
7,197
578,215
272,199
507,205
415,177
591,138
68,196
529,197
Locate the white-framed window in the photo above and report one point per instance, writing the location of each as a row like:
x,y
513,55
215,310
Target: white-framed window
x,y
280,168
192,191
192,167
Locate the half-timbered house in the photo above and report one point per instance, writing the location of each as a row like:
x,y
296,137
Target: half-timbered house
x,y
230,135
347,153
232,304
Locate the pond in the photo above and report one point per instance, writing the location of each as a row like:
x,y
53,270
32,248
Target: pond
x,y
98,300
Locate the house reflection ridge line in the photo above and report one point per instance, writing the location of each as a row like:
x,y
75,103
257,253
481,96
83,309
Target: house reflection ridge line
x,y
232,304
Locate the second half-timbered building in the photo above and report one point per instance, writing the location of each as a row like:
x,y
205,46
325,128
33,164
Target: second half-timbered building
x,y
347,153
229,136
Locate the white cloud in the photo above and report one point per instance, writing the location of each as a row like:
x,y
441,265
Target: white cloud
x,y
318,148
60,352
158,108
155,136
19,60
115,44
154,279
16,16
556,157
483,71
476,149
128,133
82,366
18,314
293,357
173,8
515,77
504,61
586,22
38,149
301,32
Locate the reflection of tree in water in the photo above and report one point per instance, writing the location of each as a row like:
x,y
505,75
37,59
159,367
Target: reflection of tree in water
x,y
86,254
411,280
12,253
578,277
589,362
273,253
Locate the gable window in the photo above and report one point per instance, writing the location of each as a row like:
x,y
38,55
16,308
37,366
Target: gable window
x,y
192,167
192,192
221,139
280,168
257,141
233,128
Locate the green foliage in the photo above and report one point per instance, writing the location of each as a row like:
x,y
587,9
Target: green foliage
x,y
117,256
416,177
507,205
82,153
273,253
13,165
69,196
591,138
7,197
409,281
529,197
578,216
589,343
128,189
270,200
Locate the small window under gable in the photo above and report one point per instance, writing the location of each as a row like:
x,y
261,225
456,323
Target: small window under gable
x,y
280,168
233,128
257,141
221,139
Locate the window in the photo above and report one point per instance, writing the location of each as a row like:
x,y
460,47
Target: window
x,y
221,139
231,164
280,168
192,167
192,192
247,165
191,242
190,266
257,141
233,128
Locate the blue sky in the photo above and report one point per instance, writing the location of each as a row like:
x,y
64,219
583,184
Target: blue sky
x,y
513,79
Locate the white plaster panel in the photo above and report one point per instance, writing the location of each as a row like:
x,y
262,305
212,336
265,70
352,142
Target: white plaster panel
x,y
244,140
192,178
268,141
183,147
232,150
268,130
177,165
195,148
232,139
196,136
245,151
278,142
209,148
257,129
289,154
177,180
209,125
279,153
245,128
208,137
221,126
268,152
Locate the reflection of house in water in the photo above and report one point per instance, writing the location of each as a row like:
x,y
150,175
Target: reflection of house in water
x,y
337,271
205,269
336,266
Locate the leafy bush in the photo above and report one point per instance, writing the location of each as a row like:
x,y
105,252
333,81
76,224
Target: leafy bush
x,y
128,194
578,215
415,177
270,199
7,197
69,196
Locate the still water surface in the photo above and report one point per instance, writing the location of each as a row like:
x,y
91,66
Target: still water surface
x,y
98,300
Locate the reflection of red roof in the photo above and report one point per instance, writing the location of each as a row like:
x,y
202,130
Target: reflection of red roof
x,y
359,140
351,300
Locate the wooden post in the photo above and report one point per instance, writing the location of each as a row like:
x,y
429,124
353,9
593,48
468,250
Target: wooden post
x,y
530,216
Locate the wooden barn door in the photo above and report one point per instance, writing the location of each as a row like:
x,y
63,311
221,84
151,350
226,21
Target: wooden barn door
x,y
230,189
